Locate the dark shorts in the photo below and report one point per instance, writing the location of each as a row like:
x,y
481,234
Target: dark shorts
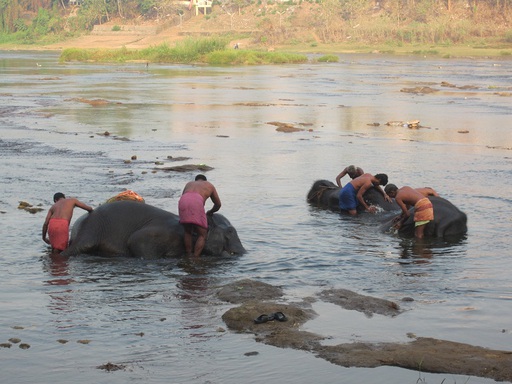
x,y
348,198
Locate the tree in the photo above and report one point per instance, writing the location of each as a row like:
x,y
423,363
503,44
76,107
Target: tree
x,y
9,13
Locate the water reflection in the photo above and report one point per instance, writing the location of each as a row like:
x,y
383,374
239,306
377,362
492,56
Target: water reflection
x,y
58,267
423,250
419,250
264,176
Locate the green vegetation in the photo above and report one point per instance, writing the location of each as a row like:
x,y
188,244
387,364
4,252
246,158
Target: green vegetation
x,y
248,57
328,59
208,50
427,27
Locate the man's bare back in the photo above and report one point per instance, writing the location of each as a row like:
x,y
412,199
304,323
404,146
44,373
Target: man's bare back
x,y
63,209
366,180
409,196
204,188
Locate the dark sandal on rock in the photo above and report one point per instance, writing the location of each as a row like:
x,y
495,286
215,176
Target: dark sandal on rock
x,y
279,316
263,319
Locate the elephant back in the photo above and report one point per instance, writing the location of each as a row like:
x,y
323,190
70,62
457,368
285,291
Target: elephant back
x,y
374,197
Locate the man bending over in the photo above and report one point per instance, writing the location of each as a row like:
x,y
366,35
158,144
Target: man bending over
x,y
351,195
58,219
191,211
407,197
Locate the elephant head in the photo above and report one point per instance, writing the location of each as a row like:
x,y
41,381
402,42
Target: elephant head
x,y
222,237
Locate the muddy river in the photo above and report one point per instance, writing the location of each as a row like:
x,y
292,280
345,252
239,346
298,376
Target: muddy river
x,y
74,128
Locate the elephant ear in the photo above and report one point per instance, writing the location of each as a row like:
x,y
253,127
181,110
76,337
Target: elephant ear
x,y
215,239
222,237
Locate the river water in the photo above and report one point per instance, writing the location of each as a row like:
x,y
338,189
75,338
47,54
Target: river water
x,y
161,319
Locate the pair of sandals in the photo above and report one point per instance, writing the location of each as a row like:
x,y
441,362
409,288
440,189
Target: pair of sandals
x,y
279,316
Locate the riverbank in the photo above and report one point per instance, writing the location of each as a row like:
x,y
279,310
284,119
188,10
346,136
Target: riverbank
x,y
140,42
256,30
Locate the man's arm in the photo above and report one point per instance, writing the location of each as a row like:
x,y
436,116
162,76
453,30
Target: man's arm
x,y
216,202
386,197
360,194
84,206
405,212
338,178
45,226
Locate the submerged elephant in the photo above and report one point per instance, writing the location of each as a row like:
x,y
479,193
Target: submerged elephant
x,y
129,228
325,194
448,221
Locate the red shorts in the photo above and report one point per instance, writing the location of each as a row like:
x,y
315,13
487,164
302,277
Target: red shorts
x,y
58,232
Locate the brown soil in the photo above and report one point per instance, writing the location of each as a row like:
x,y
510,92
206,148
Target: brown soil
x,y
195,26
114,41
423,353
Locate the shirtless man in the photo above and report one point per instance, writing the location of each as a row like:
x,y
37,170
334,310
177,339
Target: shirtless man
x,y
58,219
191,211
352,171
351,195
406,197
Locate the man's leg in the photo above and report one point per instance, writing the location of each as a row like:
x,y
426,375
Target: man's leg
x,y
187,238
200,241
419,231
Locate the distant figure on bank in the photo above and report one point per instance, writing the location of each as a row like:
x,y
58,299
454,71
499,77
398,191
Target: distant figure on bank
x,y
352,171
191,211
57,221
406,197
351,195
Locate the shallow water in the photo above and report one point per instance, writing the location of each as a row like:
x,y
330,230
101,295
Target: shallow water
x,y
161,318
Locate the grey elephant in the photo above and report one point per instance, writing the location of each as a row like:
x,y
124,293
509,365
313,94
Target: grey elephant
x,y
134,229
449,221
325,194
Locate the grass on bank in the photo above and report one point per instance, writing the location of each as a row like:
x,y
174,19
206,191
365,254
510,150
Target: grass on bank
x,y
470,49
212,51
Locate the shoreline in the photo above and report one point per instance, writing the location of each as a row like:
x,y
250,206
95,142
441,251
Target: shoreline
x,y
139,42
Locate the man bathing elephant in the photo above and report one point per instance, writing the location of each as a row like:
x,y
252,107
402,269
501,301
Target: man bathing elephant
x,y
56,224
351,195
134,229
407,197
325,194
191,211
352,171
425,214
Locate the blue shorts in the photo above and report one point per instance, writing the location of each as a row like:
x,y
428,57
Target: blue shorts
x,y
348,198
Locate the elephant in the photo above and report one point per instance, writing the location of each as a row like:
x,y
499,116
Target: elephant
x,y
325,194
135,229
449,221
